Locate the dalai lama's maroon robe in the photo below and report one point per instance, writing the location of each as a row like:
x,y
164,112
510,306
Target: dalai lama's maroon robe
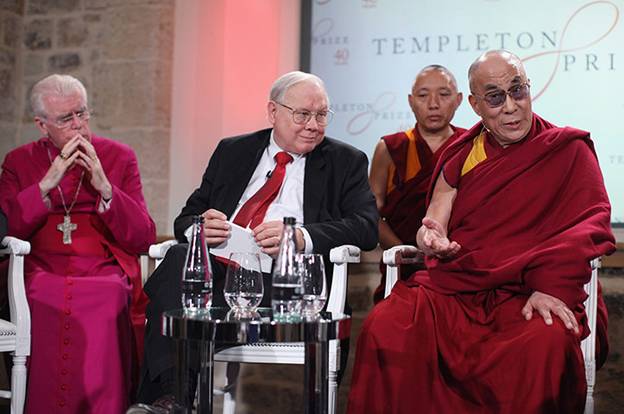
x,y
452,339
405,203
86,300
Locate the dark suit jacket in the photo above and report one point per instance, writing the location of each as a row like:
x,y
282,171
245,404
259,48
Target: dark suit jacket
x,y
338,205
3,225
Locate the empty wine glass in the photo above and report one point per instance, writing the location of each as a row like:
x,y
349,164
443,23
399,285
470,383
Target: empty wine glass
x,y
313,282
243,288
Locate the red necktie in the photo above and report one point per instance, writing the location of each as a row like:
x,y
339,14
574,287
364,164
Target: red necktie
x,y
253,211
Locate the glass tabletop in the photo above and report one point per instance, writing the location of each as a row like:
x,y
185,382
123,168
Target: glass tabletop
x,y
222,325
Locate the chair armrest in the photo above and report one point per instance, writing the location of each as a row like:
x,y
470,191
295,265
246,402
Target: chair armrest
x,y
340,256
158,251
18,304
394,258
346,253
13,245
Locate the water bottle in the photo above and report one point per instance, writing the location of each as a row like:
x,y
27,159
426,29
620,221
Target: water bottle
x,y
197,273
286,282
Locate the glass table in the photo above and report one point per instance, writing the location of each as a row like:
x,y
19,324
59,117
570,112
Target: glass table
x,y
219,327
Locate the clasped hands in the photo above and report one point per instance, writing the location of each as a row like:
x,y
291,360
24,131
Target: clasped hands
x,y
267,235
80,151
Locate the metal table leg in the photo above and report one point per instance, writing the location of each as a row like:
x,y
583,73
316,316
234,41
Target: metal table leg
x,y
206,377
183,405
316,377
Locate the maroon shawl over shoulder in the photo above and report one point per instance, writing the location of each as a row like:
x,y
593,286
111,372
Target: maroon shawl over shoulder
x,y
530,218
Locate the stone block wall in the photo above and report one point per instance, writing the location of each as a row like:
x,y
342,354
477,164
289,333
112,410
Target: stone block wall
x,y
122,50
10,93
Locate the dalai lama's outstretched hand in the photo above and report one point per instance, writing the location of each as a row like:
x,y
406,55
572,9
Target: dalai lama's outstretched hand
x,y
433,241
545,304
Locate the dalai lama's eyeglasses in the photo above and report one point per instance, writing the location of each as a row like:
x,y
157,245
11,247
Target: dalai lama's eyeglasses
x,y
302,116
497,98
66,121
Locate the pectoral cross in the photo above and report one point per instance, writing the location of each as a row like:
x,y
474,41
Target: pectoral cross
x,y
67,227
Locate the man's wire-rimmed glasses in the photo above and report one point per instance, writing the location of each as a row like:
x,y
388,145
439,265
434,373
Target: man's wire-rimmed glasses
x,y
303,116
66,121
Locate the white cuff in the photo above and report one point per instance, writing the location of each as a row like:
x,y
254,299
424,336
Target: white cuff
x,y
188,233
104,205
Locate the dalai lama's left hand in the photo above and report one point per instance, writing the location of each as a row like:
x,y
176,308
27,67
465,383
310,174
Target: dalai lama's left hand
x,y
89,160
544,304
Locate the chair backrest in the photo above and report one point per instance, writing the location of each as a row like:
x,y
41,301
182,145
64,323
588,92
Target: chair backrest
x,y
588,345
18,304
340,256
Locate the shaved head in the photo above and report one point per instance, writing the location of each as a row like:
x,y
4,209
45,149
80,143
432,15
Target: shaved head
x,y
493,56
440,69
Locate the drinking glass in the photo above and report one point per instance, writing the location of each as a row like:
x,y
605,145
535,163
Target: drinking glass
x,y
313,282
243,289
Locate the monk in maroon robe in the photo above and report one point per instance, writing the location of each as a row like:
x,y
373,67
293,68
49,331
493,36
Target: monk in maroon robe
x,y
494,324
403,162
77,199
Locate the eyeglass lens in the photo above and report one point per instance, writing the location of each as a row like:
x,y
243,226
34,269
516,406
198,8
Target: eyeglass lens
x,y
67,119
302,117
497,98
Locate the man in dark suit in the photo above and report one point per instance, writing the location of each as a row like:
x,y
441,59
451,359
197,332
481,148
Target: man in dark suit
x,y
325,187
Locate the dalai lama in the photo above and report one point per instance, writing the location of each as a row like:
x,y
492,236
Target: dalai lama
x,y
494,324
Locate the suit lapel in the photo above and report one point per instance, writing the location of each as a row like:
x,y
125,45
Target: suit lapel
x,y
241,170
314,185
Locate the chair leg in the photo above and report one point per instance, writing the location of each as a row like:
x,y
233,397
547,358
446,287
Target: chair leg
x,y
18,384
332,395
229,391
589,405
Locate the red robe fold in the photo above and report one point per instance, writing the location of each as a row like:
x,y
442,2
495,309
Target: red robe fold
x,y
405,204
452,338
86,299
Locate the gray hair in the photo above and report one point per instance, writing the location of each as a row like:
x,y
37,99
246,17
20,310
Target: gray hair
x,y
60,85
505,54
439,68
285,82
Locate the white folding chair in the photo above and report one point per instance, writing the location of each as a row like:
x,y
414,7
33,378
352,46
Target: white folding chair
x,y
284,353
588,345
15,334
394,257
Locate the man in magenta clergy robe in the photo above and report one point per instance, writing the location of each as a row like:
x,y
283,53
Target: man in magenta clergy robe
x,y
403,162
77,199
494,324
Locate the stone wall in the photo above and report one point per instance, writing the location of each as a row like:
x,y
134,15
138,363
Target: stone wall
x,y
121,50
10,91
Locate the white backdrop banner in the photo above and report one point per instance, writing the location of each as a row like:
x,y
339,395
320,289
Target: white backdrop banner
x,y
369,51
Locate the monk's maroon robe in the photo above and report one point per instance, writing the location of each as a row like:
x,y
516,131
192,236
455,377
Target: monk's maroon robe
x,y
452,339
405,204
